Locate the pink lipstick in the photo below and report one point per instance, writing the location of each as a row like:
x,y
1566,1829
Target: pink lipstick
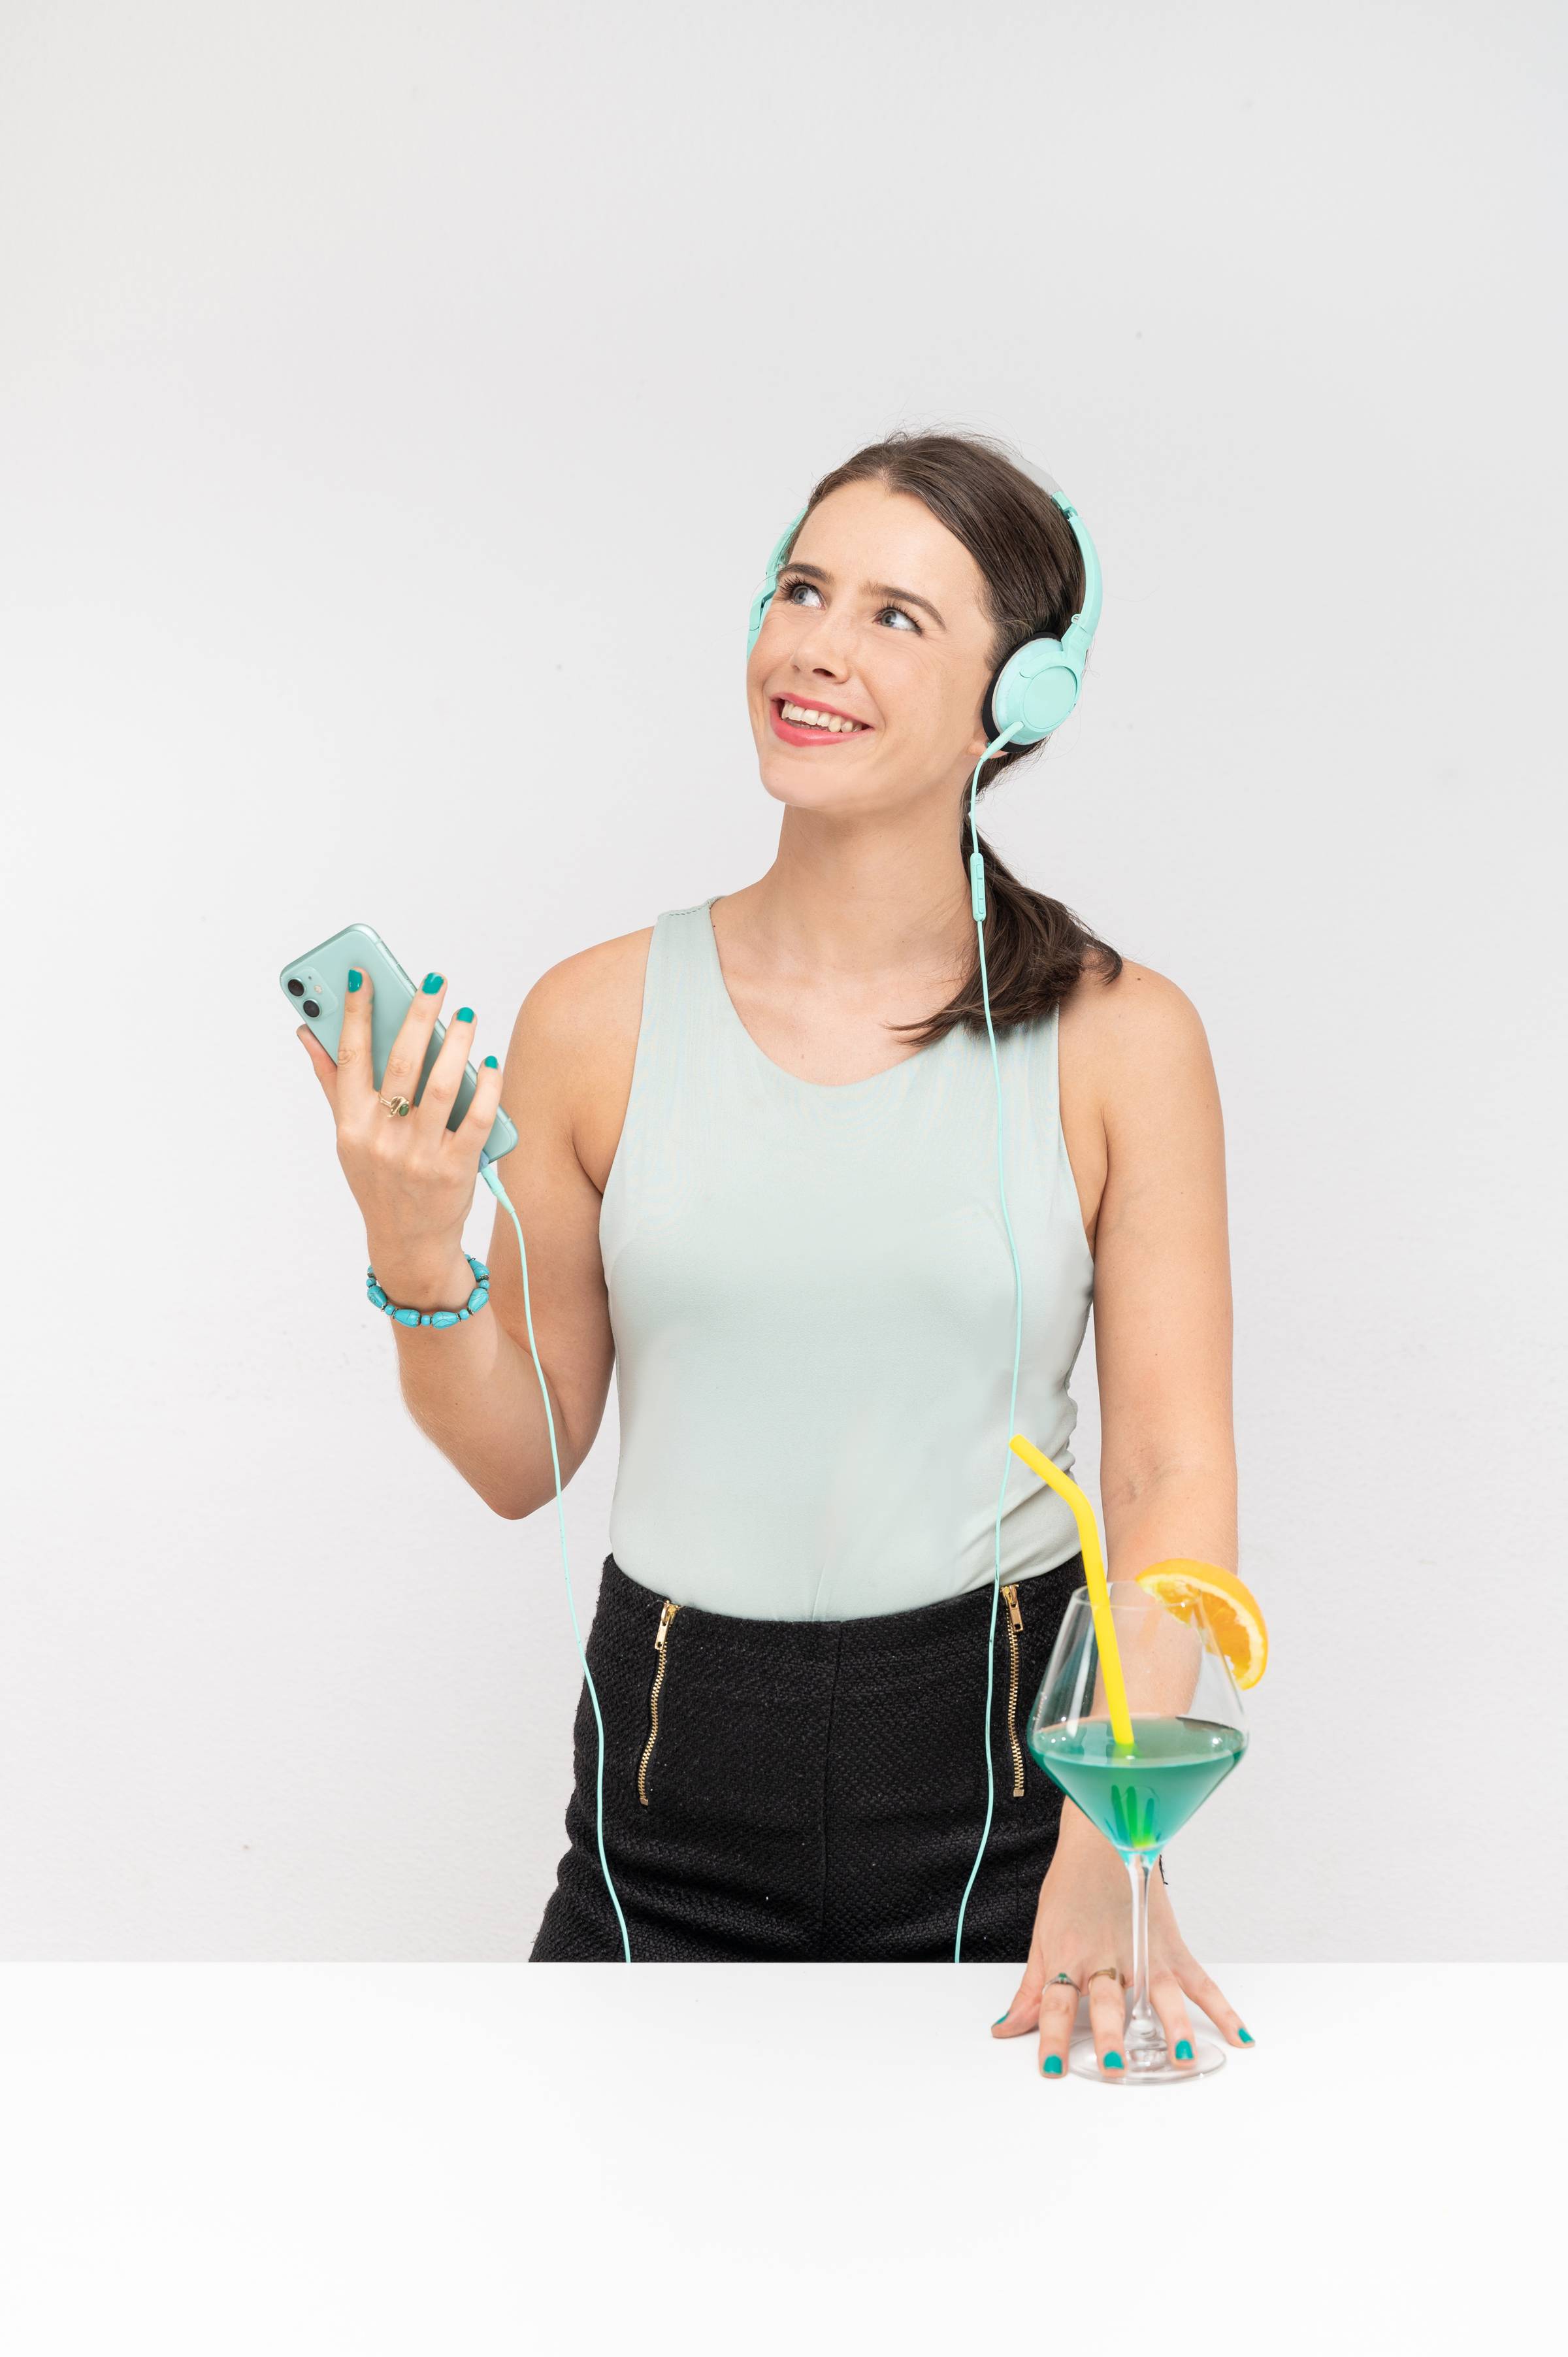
x,y
792,735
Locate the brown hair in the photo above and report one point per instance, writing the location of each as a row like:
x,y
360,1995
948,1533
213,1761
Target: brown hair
x,y
1036,948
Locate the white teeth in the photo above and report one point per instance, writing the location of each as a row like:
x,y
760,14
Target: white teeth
x,y
804,716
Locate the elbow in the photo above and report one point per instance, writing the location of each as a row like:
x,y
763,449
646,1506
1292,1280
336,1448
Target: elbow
x,y
572,1438
518,1508
515,1510
508,1512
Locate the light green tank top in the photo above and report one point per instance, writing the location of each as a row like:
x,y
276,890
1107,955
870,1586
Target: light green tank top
x,y
811,1295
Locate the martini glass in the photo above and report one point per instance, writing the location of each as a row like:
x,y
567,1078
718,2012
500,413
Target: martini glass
x,y
1188,1729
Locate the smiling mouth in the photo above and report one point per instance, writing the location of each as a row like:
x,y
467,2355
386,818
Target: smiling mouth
x,y
830,731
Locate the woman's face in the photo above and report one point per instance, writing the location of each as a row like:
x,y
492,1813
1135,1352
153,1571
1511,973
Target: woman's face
x,y
879,616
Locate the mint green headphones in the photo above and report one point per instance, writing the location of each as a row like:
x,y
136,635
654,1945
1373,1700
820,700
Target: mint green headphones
x,y
1038,685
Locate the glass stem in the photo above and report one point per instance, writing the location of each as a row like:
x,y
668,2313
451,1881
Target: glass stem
x,y
1145,2032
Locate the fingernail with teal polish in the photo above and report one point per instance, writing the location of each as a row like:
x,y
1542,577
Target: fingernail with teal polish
x,y
1184,2050
1052,2066
1001,2019
1246,2036
1113,2061
491,1063
355,978
432,981
465,1015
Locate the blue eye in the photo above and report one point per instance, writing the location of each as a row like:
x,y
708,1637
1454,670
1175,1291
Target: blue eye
x,y
789,583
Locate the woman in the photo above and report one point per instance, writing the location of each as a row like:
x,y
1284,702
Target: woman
x,y
758,1174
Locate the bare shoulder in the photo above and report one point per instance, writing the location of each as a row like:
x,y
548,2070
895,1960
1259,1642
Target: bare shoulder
x,y
573,1044
1135,1046
1140,1019
1136,1086
590,998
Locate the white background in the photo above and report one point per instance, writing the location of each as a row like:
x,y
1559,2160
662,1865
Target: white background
x,y
399,405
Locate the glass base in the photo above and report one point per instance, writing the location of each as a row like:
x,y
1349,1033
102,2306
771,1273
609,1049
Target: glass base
x,y
1083,2063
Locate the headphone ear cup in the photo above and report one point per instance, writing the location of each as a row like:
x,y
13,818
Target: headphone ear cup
x,y
1034,690
764,597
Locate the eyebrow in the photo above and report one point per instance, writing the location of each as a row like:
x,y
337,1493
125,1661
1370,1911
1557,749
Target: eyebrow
x,y
882,588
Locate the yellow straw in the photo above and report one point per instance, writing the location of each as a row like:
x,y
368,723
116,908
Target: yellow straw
x,y
1099,1593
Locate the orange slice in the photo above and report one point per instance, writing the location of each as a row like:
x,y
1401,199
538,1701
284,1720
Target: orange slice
x,y
1233,1611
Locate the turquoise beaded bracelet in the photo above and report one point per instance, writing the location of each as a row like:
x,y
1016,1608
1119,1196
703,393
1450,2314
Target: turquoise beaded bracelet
x,y
477,1300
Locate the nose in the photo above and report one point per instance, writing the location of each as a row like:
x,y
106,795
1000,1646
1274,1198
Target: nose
x,y
821,650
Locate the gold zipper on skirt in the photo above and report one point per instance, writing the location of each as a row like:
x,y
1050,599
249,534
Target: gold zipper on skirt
x,y
660,1634
1015,1623
1014,1626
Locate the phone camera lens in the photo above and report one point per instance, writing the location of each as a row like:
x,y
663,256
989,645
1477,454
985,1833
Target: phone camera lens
x,y
296,986
311,1007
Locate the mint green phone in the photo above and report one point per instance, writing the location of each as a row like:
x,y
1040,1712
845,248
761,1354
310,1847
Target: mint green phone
x,y
315,984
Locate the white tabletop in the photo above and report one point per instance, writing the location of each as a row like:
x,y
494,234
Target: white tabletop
x,y
457,2158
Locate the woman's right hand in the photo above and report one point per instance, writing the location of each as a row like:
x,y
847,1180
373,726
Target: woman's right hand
x,y
412,1177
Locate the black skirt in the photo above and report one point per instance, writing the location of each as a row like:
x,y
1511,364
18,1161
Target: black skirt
x,y
807,1790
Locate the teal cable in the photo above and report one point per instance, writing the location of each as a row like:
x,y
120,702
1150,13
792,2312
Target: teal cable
x,y
977,903
487,1171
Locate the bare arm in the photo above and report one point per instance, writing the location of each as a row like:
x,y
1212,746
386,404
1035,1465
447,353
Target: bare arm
x,y
1162,1292
473,1389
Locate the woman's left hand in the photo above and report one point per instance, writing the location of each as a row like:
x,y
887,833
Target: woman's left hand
x,y
1085,1920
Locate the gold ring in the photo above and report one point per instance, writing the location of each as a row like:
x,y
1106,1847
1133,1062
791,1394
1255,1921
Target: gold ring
x,y
1113,1971
394,1104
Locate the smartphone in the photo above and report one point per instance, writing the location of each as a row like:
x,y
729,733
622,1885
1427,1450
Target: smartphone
x,y
315,984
